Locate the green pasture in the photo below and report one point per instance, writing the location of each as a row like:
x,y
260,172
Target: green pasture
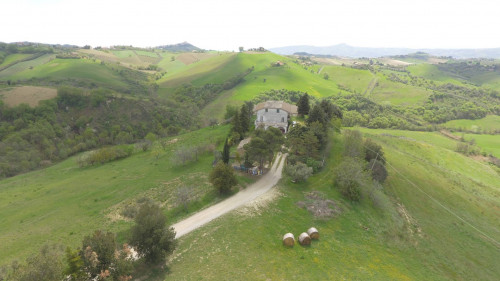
x,y
15,70
64,202
13,58
389,92
488,143
354,79
146,53
404,240
73,69
487,124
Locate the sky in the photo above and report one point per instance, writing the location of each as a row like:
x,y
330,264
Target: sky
x,y
228,24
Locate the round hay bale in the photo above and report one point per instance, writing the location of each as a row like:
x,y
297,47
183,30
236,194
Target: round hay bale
x,y
313,233
304,239
289,240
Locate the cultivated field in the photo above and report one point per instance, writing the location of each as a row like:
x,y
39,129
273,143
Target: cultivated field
x,y
26,94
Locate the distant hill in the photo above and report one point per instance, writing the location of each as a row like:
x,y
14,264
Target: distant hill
x,y
180,47
344,50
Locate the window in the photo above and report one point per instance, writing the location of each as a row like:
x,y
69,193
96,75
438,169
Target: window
x,y
282,119
277,110
262,118
266,109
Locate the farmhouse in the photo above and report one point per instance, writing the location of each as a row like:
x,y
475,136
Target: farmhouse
x,y
274,114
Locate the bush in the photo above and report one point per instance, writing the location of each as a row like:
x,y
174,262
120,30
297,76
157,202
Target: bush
x,y
299,172
350,178
104,155
223,178
378,170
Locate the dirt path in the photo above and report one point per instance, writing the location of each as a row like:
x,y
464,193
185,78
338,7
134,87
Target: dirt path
x,y
239,199
319,71
371,86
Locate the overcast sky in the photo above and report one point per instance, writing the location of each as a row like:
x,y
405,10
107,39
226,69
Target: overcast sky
x,y
227,24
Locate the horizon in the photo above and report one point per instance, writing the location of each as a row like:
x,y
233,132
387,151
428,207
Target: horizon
x,y
222,25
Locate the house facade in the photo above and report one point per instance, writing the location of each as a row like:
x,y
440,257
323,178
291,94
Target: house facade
x,y
274,114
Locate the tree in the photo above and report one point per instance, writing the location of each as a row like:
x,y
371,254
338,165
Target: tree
x,y
326,76
245,115
47,265
353,144
225,153
350,178
259,151
378,170
98,252
151,236
373,151
317,115
303,105
223,178
299,172
74,265
183,196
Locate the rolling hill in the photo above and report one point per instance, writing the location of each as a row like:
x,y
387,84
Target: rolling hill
x,y
436,217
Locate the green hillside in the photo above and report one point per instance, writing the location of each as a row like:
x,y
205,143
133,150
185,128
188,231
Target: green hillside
x,y
405,242
64,202
436,217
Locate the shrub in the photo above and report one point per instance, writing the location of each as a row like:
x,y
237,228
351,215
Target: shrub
x,y
350,178
299,172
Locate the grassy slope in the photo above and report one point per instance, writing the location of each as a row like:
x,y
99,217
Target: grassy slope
x,y
488,143
390,92
13,58
363,243
13,71
489,123
291,76
64,202
73,69
354,79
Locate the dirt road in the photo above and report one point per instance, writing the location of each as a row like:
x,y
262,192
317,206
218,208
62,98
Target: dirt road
x,y
239,199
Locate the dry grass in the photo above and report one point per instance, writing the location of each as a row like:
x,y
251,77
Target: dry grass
x,y
393,62
320,206
27,94
189,58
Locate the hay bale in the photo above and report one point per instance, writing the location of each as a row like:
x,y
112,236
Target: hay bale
x,y
289,240
304,239
313,233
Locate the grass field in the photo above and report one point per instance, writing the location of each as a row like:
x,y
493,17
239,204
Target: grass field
x,y
13,58
416,239
488,143
389,92
72,69
354,79
63,203
26,94
488,124
14,70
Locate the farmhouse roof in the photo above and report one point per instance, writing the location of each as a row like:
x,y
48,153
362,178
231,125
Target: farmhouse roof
x,y
290,108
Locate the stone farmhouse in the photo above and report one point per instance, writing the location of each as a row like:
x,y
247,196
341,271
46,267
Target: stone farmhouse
x,y
274,114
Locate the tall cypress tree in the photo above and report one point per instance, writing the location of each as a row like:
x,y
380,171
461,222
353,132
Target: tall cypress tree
x,y
244,119
225,153
303,105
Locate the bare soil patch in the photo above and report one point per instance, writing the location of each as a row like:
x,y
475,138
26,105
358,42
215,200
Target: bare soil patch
x,y
320,206
189,58
394,62
26,94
